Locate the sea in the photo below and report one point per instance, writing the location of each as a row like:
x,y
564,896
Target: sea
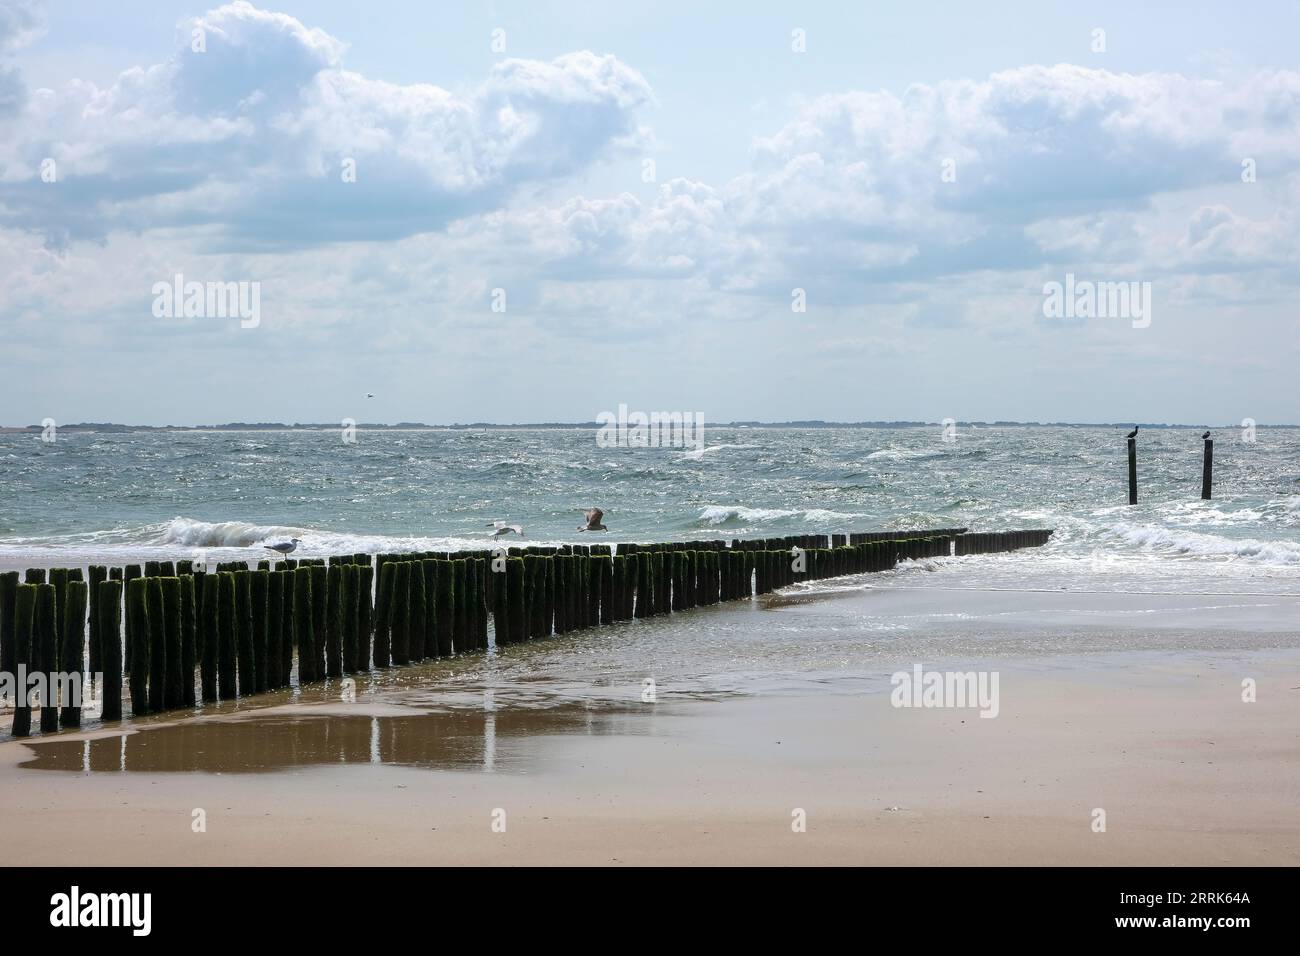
x,y
1198,568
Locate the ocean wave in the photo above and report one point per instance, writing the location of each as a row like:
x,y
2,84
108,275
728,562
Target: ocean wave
x,y
1197,544
192,533
716,515
695,454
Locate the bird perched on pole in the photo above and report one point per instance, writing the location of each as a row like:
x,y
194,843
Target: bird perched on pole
x,y
1206,436
284,548
1133,433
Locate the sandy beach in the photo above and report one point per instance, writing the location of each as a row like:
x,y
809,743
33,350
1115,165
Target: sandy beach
x,y
427,770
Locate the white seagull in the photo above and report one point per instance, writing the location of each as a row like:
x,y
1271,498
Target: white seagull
x,y
503,528
285,548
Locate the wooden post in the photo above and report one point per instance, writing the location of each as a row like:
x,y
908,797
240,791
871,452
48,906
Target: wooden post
x,y
319,616
260,586
109,608
1207,469
401,613
334,621
211,636
245,662
173,693
383,609
95,574
74,643
137,635
365,584
275,629
1132,471
8,642
156,611
304,632
348,616
24,620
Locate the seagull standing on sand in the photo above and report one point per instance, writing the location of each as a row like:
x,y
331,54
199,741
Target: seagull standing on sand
x,y
593,516
284,548
1133,433
503,528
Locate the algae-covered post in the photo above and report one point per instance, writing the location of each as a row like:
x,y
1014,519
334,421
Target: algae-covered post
x,y
108,606
1132,471
1207,468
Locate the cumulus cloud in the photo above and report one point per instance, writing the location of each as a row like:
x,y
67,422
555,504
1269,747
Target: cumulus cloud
x,y
246,132
1029,167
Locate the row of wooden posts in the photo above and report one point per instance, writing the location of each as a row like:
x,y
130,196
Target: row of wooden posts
x,y
244,629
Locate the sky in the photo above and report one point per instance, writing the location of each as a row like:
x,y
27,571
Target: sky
x,y
523,212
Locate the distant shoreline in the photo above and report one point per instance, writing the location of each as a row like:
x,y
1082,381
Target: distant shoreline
x,y
111,428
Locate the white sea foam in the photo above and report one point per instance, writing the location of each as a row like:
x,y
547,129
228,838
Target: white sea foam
x,y
715,515
1196,544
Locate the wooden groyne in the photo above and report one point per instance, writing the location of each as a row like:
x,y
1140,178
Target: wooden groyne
x,y
148,629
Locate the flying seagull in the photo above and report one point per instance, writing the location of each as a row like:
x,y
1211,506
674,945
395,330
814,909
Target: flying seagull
x,y
1206,436
503,528
593,516
1133,433
370,394
284,547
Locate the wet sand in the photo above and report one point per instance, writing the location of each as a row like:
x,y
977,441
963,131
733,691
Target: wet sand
x,y
1186,772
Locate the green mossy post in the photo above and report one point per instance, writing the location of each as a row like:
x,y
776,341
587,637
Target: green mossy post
x,y
595,587
429,571
137,636
303,627
24,623
275,629
500,606
334,623
153,569
286,625
244,662
401,613
348,617
8,640
95,574
365,613
46,639
74,642
383,613
460,639
59,580
211,632
260,586
166,569
481,602
617,583
129,574
34,576
226,627
518,622
108,605
319,617
419,614
641,560
157,645
532,595
173,668
560,592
